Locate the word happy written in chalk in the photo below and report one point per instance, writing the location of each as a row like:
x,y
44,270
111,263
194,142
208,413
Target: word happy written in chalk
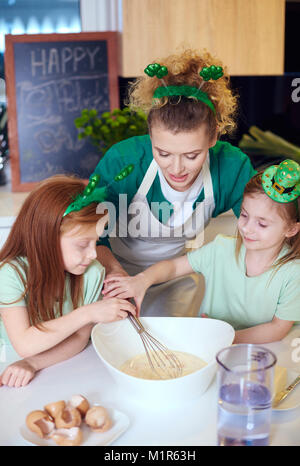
x,y
53,61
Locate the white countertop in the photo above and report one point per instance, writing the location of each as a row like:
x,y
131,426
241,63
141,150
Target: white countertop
x,y
191,423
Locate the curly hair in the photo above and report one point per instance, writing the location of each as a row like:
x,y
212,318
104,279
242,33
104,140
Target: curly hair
x,y
182,113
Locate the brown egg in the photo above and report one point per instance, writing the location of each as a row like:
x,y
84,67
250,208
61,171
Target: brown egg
x,y
67,437
81,403
98,419
67,418
55,408
40,422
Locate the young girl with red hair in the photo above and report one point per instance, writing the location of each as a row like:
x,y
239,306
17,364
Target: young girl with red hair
x,y
50,280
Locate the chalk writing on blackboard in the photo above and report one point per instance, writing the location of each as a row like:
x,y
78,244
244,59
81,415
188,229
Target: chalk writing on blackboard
x,y
49,102
60,61
54,82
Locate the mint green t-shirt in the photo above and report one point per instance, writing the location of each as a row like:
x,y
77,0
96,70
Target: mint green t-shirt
x,y
243,301
12,288
230,170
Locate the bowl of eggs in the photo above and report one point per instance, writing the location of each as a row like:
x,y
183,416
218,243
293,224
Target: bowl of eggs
x,y
194,341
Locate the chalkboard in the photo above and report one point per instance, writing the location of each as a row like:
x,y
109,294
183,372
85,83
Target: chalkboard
x,y
50,78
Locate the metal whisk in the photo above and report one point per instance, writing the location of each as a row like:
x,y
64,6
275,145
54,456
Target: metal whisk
x,y
161,360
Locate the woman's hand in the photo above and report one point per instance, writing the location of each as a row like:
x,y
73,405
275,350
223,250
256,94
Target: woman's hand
x,y
106,290
127,287
17,374
109,310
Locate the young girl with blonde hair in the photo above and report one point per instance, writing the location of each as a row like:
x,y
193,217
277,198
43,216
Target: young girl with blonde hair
x,y
184,174
252,281
50,280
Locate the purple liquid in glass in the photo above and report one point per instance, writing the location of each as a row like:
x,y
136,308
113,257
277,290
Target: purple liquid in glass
x,y
244,414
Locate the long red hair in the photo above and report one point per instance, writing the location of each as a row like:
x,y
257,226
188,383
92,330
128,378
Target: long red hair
x,y
35,235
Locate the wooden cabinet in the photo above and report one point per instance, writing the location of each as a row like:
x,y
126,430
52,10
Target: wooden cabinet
x,y
247,35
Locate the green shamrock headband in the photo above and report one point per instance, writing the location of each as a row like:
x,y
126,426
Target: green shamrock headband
x,y
207,73
94,194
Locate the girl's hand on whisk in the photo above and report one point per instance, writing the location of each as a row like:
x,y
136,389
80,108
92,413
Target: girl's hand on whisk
x,y
127,287
109,310
120,273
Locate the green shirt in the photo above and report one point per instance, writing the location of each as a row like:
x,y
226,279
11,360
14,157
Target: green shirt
x,y
240,300
230,170
12,288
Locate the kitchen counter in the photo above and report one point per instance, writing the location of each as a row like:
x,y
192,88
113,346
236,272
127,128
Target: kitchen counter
x,y
10,203
151,424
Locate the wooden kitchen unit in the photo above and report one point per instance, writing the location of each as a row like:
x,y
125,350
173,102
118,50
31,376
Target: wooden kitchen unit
x,y
247,35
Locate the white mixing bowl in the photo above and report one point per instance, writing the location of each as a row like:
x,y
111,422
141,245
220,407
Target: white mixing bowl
x,y
117,342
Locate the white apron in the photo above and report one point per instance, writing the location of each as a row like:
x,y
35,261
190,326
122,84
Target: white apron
x,y
156,241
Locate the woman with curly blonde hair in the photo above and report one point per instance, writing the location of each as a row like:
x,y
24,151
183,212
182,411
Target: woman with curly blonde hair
x,y
184,175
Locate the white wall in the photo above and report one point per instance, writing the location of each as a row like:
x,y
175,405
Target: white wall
x,y
5,226
100,15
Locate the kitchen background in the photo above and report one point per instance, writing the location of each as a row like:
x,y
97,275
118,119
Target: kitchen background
x,y
270,102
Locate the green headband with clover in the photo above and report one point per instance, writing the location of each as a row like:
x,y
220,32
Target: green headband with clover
x,y
207,73
187,91
93,194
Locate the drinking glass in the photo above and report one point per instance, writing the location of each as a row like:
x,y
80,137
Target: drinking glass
x,y
245,390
